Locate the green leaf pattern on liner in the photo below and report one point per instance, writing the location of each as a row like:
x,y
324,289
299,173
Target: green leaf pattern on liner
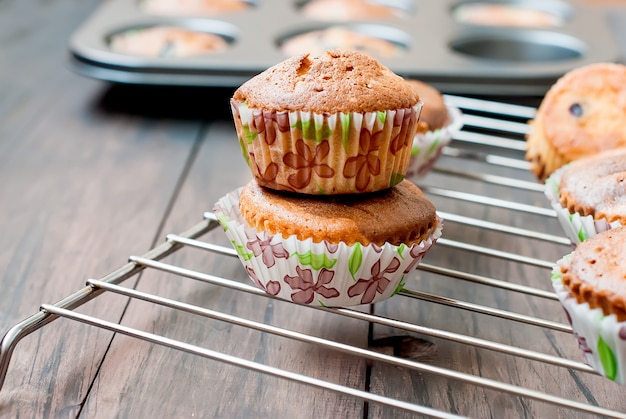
x,y
553,184
241,251
433,146
400,249
345,129
312,131
244,152
581,233
395,179
400,286
316,261
321,303
223,220
248,135
356,259
382,116
607,359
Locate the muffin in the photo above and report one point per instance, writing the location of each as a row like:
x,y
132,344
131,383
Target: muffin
x,y
583,113
334,250
438,123
193,7
589,194
316,42
334,124
348,10
166,41
510,15
590,283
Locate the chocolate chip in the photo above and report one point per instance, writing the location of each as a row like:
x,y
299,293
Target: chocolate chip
x,y
576,110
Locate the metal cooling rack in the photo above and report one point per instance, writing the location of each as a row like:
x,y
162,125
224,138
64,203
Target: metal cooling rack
x,y
493,136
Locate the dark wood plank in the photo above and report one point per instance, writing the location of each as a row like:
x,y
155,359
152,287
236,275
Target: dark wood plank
x,y
82,188
170,383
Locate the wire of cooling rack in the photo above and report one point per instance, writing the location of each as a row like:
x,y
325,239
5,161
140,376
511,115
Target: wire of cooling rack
x,y
515,129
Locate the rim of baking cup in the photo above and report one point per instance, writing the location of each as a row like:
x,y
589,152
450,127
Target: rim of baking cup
x,y
428,146
319,273
326,153
577,228
601,338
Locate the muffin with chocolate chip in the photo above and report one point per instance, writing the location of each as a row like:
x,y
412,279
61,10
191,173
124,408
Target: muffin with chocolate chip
x,y
583,113
338,123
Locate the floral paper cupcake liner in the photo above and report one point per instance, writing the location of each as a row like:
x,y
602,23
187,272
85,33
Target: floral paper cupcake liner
x,y
322,274
326,153
601,339
577,228
428,146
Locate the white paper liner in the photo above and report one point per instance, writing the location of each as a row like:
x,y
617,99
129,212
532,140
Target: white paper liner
x,y
329,153
322,274
577,228
428,146
601,339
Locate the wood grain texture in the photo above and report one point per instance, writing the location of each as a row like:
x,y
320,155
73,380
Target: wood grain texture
x,y
92,173
186,385
78,195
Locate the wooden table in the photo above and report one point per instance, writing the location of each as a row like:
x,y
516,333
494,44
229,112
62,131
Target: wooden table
x,y
93,173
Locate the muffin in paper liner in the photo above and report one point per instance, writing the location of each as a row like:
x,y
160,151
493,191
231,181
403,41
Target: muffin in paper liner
x,y
322,273
601,338
577,228
326,153
428,146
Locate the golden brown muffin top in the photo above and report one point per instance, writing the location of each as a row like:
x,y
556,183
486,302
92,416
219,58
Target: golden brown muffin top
x,y
336,81
596,274
596,186
584,112
402,214
434,112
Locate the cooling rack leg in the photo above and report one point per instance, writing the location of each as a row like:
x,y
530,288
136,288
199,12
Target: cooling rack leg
x,y
15,334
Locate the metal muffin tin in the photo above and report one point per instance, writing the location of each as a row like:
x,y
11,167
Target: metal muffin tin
x,y
456,57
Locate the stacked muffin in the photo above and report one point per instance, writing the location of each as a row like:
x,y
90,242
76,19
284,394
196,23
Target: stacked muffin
x,y
328,218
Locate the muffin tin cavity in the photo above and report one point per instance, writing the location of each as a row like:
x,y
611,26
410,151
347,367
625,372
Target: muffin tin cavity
x,y
376,40
519,46
354,10
425,40
512,14
170,41
193,7
173,39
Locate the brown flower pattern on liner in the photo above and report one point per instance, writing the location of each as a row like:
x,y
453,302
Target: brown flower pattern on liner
x,y
260,244
366,163
272,287
305,162
307,288
401,139
266,123
377,283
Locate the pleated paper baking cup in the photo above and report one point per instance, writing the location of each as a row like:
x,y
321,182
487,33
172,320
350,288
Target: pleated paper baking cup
x,y
601,339
322,274
326,153
577,228
428,146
